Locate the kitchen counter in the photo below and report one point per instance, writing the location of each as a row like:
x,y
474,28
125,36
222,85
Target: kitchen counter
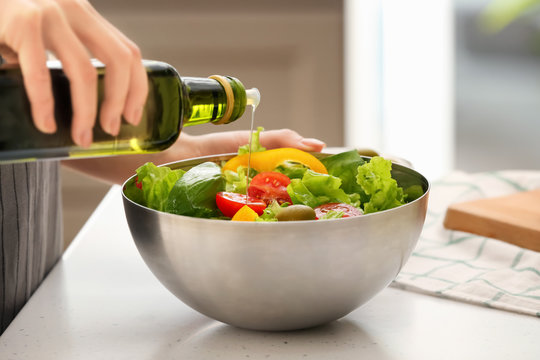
x,y
101,302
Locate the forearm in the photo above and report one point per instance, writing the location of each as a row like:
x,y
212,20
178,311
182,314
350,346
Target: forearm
x,y
112,170
117,169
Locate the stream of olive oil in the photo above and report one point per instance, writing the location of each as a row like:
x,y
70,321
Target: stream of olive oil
x,y
253,99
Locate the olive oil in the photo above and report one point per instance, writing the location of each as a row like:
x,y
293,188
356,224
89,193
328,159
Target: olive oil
x,y
255,98
173,102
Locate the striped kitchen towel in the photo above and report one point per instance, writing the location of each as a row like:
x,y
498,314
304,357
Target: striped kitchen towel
x,y
470,268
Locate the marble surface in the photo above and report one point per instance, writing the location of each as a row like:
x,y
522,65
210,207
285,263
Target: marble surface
x,y
101,302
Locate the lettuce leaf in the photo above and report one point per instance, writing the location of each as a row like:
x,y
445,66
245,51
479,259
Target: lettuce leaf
x,y
255,144
236,181
325,187
315,189
293,169
195,193
300,194
345,166
269,214
376,180
157,183
413,192
134,193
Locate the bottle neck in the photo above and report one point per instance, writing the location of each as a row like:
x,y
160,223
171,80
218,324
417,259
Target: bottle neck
x,y
218,100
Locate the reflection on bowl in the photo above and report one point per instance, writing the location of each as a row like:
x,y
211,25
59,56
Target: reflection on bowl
x,y
280,275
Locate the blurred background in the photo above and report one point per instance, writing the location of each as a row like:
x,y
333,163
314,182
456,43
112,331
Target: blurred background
x,y
497,84
447,84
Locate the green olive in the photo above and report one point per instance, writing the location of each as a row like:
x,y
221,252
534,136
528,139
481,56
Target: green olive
x,y
296,212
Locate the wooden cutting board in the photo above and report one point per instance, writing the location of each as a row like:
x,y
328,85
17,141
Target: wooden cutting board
x,y
514,218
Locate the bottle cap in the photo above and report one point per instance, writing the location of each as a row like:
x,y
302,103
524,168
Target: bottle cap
x,y
253,97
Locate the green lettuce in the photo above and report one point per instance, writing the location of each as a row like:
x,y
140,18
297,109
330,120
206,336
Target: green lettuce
x,y
157,183
413,192
293,169
376,180
269,214
315,189
345,166
300,194
255,144
194,194
236,181
134,193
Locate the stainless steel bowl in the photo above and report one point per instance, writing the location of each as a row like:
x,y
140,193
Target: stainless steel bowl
x,y
277,276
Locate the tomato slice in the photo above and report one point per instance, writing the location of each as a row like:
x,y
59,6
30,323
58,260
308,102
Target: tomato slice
x,y
229,203
346,209
270,186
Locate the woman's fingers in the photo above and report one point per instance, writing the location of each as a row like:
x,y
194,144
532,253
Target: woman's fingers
x,y
8,56
229,141
23,36
125,79
71,29
116,89
138,89
290,138
82,76
109,51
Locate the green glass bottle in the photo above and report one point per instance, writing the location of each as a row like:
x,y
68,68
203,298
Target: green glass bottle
x,y
173,102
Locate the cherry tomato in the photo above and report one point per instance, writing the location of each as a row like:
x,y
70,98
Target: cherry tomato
x,y
346,209
229,203
270,186
138,183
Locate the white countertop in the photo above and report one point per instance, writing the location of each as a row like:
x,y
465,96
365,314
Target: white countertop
x,y
101,302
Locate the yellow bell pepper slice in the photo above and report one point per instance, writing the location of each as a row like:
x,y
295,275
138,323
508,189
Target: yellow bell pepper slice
x,y
245,214
268,160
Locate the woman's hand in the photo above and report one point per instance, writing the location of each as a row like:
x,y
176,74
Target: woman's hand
x,y
71,29
189,146
118,169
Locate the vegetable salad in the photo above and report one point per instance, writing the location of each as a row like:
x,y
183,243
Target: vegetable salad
x,y
284,184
